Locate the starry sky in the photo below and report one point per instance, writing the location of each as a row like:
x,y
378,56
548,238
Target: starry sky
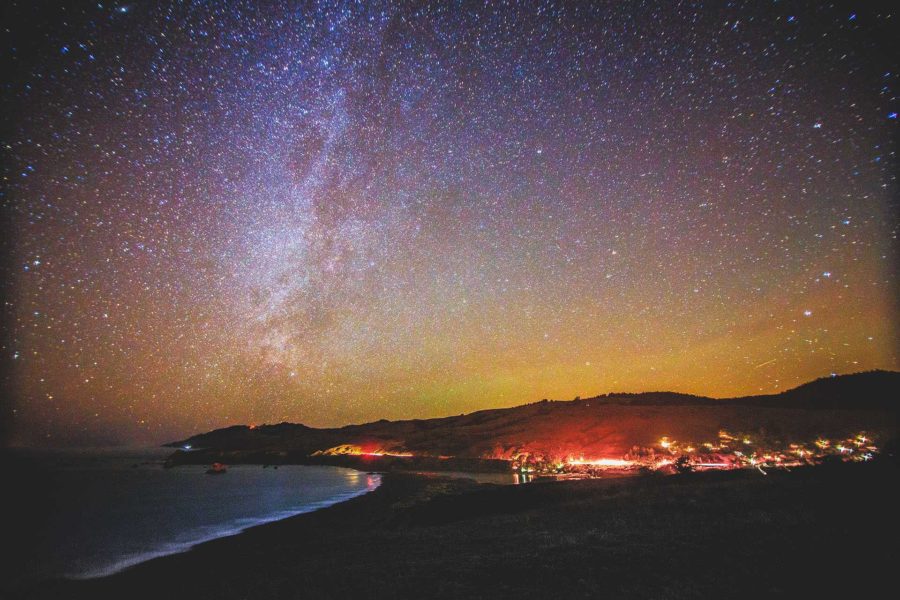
x,y
229,212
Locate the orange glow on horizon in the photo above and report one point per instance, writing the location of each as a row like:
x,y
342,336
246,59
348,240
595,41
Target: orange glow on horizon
x,y
603,462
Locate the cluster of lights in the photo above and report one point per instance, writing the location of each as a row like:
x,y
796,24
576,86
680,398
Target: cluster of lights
x,y
727,452
602,462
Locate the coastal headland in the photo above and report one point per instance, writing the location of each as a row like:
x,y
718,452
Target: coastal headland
x,y
851,417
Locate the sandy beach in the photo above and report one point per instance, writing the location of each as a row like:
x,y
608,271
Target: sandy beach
x,y
701,535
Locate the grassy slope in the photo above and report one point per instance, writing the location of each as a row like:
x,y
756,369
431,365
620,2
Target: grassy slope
x,y
608,425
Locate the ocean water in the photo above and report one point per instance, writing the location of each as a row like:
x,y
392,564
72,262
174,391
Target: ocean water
x,y
89,514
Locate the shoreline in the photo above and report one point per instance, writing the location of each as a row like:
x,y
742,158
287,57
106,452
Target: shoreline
x,y
364,463
431,536
128,563
170,525
392,487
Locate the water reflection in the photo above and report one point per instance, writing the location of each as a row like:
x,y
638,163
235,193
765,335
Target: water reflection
x,y
501,478
520,478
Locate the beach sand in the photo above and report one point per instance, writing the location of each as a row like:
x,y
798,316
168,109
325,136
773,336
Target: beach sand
x,y
825,532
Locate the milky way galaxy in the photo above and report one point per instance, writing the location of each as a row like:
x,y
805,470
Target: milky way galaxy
x,y
237,212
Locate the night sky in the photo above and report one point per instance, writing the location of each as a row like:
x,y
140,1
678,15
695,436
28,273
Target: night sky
x,y
247,212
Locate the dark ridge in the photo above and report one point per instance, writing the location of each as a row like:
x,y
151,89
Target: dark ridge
x,y
871,390
653,399
579,420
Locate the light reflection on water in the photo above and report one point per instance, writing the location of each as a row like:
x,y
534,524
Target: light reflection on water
x,y
508,478
107,512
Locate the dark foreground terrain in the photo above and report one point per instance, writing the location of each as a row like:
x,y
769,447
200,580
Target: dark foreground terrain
x,y
824,532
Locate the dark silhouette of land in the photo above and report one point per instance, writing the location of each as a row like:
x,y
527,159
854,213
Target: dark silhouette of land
x,y
602,426
824,532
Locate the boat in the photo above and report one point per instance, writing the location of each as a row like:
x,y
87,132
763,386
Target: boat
x,y
217,468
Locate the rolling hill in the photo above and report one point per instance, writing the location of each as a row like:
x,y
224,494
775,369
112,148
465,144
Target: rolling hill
x,y
603,426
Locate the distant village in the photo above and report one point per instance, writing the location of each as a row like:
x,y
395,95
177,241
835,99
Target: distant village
x,y
667,456
729,451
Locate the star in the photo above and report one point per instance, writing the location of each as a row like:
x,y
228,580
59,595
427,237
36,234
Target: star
x,y
351,211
